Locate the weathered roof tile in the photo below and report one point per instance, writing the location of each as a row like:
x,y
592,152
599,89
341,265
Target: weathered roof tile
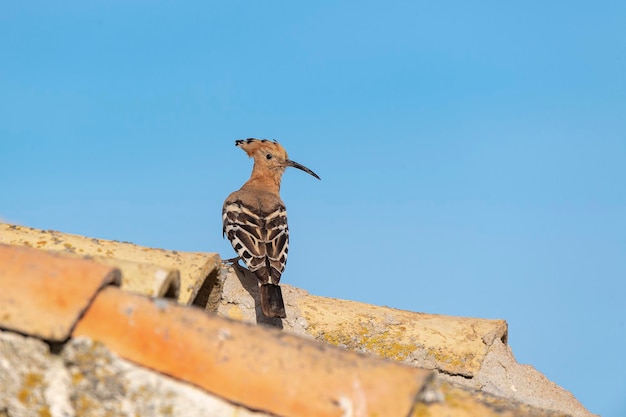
x,y
147,270
43,294
259,367
454,345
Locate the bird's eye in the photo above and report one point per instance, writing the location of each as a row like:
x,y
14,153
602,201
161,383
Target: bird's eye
x,y
269,156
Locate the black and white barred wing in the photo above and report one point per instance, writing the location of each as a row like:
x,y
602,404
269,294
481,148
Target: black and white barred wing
x,y
261,239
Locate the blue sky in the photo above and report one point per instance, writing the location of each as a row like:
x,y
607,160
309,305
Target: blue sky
x,y
472,155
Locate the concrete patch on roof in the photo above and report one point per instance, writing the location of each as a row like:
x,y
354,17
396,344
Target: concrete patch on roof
x,y
33,381
501,375
140,265
463,402
240,300
44,294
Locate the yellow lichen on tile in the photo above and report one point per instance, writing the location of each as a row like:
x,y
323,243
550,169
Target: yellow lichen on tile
x,y
364,338
32,381
455,345
31,394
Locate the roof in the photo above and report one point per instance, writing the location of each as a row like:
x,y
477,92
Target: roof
x,y
192,318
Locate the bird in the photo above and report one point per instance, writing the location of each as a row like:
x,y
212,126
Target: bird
x,y
254,220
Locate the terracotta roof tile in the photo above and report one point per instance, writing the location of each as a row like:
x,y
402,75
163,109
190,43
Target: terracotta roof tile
x,y
259,367
43,294
146,270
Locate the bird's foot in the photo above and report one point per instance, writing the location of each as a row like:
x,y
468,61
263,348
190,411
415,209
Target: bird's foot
x,y
232,261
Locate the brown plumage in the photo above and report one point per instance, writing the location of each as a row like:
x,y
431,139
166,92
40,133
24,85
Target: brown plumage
x,y
255,220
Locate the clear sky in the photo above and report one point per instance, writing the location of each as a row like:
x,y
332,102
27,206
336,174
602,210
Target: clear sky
x,y
472,154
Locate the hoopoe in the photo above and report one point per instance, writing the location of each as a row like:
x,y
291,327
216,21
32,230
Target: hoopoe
x,y
255,220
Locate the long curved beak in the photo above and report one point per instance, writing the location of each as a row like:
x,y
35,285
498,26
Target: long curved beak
x,y
294,164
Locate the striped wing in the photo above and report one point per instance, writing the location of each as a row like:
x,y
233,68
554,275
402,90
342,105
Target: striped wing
x,y
260,237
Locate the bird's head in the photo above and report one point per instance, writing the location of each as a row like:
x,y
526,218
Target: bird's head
x,y
270,155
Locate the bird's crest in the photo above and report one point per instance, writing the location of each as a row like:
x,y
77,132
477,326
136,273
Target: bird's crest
x,y
256,147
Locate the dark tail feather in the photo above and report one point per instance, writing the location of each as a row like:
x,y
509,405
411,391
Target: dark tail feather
x,y
272,301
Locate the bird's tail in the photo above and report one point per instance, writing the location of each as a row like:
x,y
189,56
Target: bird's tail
x,y
272,301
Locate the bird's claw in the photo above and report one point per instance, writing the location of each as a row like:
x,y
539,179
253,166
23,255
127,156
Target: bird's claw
x,y
232,261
